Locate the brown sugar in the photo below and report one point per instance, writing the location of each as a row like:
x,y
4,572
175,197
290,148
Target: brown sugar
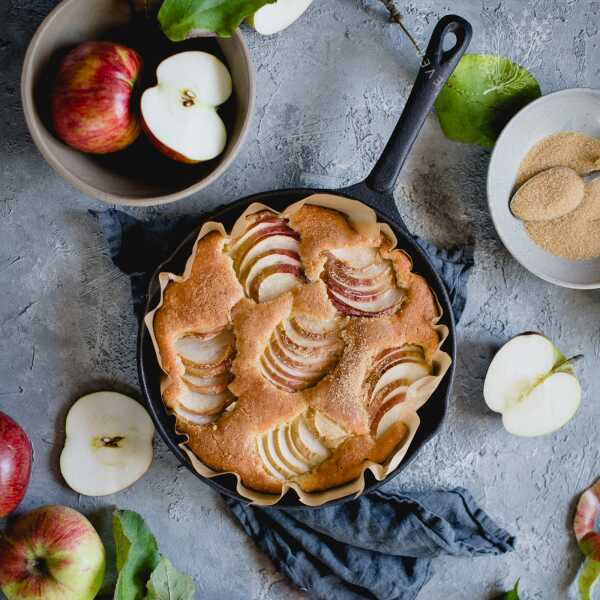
x,y
575,235
550,194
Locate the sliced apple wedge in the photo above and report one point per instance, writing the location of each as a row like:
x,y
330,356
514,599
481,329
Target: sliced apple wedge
x,y
179,114
207,360
204,404
325,429
360,283
108,444
205,351
307,443
291,449
193,417
266,258
393,372
301,353
273,18
533,386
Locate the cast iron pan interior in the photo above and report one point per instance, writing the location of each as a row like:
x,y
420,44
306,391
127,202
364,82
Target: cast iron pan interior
x,y
376,192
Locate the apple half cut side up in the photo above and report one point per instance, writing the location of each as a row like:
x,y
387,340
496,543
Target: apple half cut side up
x,y
179,114
273,18
108,444
532,385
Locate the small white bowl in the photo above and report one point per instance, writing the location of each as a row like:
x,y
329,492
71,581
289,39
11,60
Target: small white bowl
x,y
576,109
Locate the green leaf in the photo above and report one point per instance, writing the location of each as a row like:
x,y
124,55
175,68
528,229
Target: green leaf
x,y
481,96
167,583
137,555
178,18
587,578
512,595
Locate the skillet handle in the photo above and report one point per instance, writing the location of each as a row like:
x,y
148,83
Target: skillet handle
x,y
436,67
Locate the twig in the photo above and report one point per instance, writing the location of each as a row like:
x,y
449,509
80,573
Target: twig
x,y
396,17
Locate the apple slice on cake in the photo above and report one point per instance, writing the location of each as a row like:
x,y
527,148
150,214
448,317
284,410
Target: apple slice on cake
x,y
360,283
266,258
294,448
393,372
207,360
300,353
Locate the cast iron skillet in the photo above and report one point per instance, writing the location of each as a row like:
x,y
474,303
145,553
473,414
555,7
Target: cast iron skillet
x,y
375,191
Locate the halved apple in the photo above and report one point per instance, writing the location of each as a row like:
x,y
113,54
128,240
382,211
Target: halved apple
x,y
360,283
266,258
300,353
108,444
533,386
273,18
179,114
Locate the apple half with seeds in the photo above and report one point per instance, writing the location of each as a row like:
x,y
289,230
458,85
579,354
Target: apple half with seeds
x,y
179,114
108,444
273,18
533,385
266,258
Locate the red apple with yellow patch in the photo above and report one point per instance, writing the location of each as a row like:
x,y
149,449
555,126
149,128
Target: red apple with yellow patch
x,y
92,97
52,553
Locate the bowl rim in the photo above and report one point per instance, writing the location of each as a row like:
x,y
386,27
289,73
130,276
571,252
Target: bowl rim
x,y
35,126
505,134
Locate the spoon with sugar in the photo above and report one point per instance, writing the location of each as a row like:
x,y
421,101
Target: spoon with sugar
x,y
550,194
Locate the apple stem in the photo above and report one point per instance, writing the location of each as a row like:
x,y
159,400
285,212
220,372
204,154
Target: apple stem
x,y
567,361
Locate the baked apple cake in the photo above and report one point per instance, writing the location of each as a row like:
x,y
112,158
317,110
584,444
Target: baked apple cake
x,y
297,349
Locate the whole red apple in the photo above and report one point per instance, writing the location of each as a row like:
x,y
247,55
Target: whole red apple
x,y
91,99
15,464
52,553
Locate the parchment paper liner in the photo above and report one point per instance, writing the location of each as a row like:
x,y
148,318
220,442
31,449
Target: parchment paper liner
x,y
362,219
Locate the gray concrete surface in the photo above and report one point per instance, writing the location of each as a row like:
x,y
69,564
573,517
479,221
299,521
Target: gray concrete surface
x,y
329,91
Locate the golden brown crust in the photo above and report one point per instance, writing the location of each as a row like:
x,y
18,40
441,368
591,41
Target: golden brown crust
x,y
323,229
309,419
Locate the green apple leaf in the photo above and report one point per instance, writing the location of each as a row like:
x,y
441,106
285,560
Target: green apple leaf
x,y
179,18
512,594
137,555
481,96
167,583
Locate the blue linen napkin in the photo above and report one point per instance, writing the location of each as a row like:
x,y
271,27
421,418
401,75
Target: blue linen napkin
x,y
378,546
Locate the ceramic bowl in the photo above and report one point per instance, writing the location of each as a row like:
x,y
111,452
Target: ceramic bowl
x,y
567,110
139,175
